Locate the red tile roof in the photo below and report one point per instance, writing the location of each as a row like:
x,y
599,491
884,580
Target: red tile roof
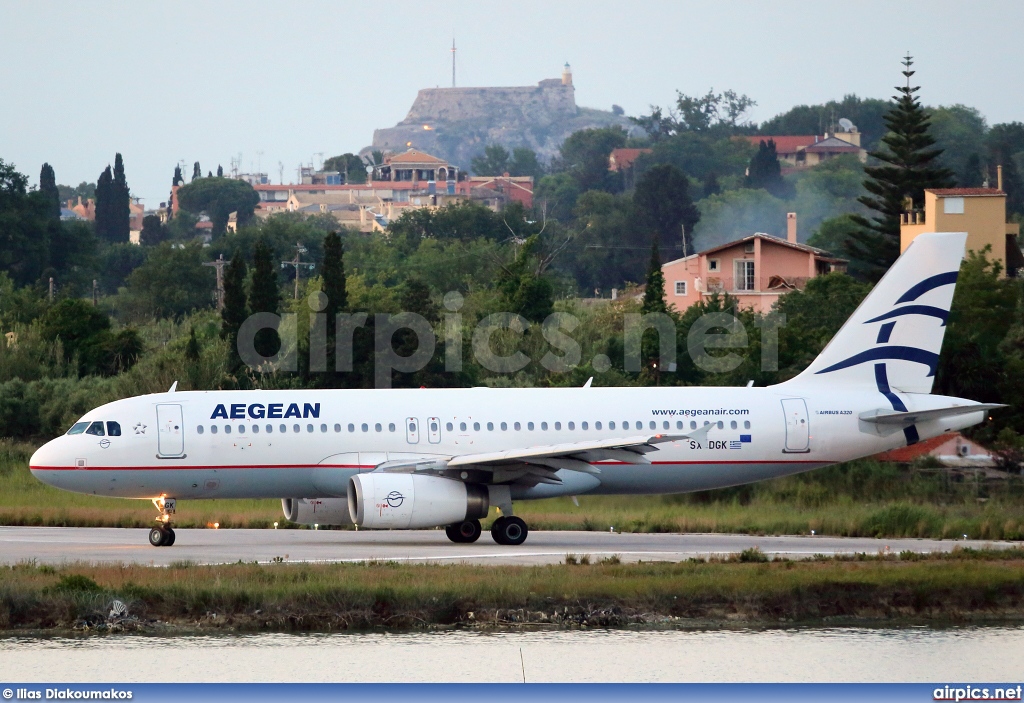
x,y
414,157
783,144
624,158
957,192
907,454
770,239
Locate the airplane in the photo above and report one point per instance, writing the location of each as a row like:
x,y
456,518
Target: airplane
x,y
425,458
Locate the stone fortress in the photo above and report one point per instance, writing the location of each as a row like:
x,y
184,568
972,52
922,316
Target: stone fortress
x,y
457,123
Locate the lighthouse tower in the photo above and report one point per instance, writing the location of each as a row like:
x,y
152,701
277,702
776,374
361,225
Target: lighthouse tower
x,y
566,74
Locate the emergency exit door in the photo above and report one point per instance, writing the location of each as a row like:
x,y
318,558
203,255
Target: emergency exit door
x,y
170,431
412,430
798,431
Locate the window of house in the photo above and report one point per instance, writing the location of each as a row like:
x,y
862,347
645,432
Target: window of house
x,y
953,206
744,275
680,287
749,247
713,265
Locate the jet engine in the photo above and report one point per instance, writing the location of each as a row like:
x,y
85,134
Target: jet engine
x,y
316,511
410,501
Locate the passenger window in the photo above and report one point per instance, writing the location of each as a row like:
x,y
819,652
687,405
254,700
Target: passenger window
x,y
733,425
693,424
653,425
449,426
95,428
283,428
227,429
213,429
462,427
270,429
241,429
529,426
78,428
351,427
544,425
721,425
664,425
309,428
746,424
378,427
490,426
476,426
323,428
337,428
391,427
517,426
433,427
113,429
199,430
625,425
639,424
572,425
558,425
679,424
504,426
255,429
597,426
296,428
584,426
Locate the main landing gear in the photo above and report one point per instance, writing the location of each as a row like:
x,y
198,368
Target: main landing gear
x,y
464,532
509,530
163,535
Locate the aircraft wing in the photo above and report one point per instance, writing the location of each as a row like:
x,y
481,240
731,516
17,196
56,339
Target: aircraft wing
x,y
889,417
538,464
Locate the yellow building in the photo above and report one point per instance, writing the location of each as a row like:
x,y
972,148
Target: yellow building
x,y
981,212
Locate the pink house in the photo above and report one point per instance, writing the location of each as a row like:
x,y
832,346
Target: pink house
x,y
755,270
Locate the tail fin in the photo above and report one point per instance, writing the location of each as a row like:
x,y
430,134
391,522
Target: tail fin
x,y
892,340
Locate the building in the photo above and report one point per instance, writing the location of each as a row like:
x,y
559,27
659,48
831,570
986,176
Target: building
x,y
85,210
806,151
622,159
497,191
756,270
952,450
981,212
415,166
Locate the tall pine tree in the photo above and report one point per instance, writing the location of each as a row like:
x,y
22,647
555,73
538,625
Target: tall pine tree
x,y
48,188
909,166
264,295
120,206
104,205
235,310
333,273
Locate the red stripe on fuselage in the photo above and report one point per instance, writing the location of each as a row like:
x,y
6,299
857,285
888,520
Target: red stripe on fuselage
x,y
371,466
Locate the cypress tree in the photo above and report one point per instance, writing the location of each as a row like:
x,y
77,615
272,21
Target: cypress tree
x,y
654,296
264,295
235,310
48,187
220,171
765,171
178,178
711,186
104,205
909,166
192,350
120,211
197,172
333,273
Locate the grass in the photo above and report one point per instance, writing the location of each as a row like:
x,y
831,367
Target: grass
x,y
856,499
964,586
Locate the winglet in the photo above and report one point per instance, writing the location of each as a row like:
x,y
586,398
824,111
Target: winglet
x,y
173,387
589,381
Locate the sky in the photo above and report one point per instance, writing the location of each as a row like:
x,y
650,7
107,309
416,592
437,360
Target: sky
x,y
290,83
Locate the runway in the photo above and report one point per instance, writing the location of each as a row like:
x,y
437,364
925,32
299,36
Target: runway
x,y
56,545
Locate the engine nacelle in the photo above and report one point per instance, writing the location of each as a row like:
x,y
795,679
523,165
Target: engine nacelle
x,y
316,511
410,501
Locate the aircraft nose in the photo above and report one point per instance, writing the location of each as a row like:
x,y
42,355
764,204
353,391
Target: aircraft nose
x,y
44,461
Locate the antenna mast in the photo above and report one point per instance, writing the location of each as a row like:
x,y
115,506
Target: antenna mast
x,y
453,62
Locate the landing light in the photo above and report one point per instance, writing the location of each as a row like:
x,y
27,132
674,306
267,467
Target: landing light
x,y
275,525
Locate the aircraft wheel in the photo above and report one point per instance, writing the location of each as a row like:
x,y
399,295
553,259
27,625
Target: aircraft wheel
x,y
158,537
464,532
509,530
169,541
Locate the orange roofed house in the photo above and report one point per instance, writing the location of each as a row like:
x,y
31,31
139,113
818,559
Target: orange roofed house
x,y
755,270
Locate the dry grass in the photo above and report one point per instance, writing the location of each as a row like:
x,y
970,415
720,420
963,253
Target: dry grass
x,y
959,587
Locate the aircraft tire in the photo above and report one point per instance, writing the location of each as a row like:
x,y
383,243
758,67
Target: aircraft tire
x,y
464,532
158,537
509,531
169,541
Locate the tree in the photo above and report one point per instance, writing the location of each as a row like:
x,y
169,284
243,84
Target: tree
x,y
525,291
235,309
192,350
765,171
85,336
104,205
971,173
909,165
120,208
152,230
218,198
524,163
171,283
177,179
197,172
349,165
654,294
23,216
493,162
719,112
866,113
662,199
1006,148
584,156
711,186
332,271
264,294
48,189
220,171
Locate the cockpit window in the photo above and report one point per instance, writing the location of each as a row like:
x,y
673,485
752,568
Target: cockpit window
x,y
95,428
78,428
113,429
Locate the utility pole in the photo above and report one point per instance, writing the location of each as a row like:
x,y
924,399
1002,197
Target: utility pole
x,y
298,263
95,293
51,289
219,265
453,62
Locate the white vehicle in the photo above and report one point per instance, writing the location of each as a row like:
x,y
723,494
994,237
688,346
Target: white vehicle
x,y
408,459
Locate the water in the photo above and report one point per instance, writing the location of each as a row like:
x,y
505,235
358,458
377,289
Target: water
x,y
817,655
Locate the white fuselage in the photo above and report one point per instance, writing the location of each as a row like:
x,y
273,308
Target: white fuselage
x,y
307,443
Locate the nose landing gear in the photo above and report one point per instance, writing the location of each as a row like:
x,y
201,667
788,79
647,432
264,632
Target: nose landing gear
x,y
163,534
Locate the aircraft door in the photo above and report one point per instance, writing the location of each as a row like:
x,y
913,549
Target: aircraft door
x,y
170,430
798,431
412,430
434,430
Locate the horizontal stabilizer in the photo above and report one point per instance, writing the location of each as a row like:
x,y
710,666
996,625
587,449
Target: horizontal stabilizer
x,y
910,417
